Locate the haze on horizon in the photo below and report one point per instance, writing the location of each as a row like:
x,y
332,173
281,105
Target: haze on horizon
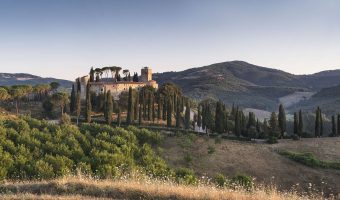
x,y
64,38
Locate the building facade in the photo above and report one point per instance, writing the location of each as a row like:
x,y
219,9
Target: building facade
x,y
116,87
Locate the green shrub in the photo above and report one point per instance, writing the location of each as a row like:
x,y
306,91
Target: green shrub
x,y
188,158
220,180
310,160
244,181
272,140
295,137
186,176
211,150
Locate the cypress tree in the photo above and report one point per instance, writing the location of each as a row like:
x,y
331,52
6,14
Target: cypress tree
x,y
208,118
204,116
296,124
273,125
187,115
153,110
317,122
237,123
149,106
300,130
135,107
169,116
118,116
105,104
109,107
282,120
140,117
333,126
73,100
91,75
159,108
178,114
219,118
130,108
88,109
258,128
321,123
338,123
78,106
199,117
165,107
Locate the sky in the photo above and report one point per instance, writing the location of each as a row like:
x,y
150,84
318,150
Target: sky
x,y
64,38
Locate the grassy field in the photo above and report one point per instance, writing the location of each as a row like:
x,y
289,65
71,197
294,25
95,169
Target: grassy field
x,y
261,161
85,188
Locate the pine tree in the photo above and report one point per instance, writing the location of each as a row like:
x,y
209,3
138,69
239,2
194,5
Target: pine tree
x,y
300,130
130,108
204,116
169,113
282,120
109,107
333,126
187,115
199,117
296,124
88,109
73,100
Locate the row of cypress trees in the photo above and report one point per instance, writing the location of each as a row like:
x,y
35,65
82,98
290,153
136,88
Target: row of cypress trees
x,y
143,105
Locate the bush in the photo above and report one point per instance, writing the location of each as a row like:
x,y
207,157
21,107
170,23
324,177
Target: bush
x,y
211,150
244,181
186,176
65,119
310,160
295,137
272,140
220,180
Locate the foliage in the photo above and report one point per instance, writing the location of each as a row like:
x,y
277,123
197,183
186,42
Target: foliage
x,y
220,180
186,176
211,150
243,180
34,149
310,160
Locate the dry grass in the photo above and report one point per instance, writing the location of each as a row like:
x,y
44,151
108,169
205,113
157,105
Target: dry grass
x,y
85,188
260,161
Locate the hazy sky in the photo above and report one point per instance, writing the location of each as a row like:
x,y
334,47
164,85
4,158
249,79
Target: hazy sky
x,y
64,38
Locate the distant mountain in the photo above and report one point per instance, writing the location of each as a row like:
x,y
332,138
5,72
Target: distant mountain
x,y
7,79
245,84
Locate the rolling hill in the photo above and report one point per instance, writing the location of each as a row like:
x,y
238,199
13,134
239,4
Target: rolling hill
x,y
7,79
246,84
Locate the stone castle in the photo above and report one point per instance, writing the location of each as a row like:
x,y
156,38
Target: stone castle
x,y
115,84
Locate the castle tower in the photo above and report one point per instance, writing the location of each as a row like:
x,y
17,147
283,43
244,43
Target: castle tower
x,y
146,74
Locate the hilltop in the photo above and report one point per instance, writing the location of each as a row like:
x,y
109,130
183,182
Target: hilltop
x,y
248,85
7,79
